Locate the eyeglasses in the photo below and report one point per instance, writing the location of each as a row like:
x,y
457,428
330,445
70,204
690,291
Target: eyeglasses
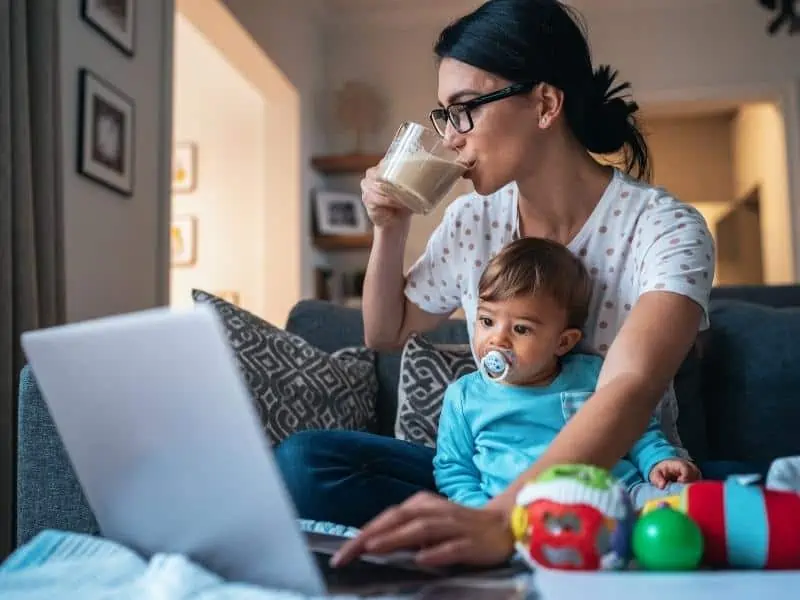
x,y
459,114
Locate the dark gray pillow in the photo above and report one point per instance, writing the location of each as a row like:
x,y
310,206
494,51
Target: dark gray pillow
x,y
751,381
426,369
294,385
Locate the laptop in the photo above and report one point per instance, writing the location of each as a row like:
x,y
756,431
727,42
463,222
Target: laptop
x,y
168,448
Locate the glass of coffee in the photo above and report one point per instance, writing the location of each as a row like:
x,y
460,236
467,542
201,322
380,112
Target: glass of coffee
x,y
420,168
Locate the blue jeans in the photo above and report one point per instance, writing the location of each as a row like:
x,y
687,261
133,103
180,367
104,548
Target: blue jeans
x,y
349,477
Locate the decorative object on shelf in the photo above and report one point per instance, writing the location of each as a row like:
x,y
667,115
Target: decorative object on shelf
x,y
230,296
106,133
184,168
115,19
322,283
183,241
359,110
787,15
340,214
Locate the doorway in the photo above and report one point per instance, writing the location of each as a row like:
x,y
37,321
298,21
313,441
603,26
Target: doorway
x,y
236,201
730,161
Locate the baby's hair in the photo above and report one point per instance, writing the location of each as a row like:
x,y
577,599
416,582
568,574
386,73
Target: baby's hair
x,y
532,266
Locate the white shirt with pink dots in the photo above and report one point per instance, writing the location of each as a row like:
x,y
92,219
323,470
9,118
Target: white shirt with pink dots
x,y
638,239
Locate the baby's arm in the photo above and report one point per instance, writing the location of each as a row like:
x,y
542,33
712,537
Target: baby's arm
x,y
455,474
652,448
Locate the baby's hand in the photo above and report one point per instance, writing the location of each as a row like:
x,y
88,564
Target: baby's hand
x,y
672,470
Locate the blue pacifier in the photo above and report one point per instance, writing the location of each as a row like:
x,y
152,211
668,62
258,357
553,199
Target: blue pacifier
x,y
496,364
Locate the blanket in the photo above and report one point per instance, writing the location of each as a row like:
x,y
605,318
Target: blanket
x,y
65,565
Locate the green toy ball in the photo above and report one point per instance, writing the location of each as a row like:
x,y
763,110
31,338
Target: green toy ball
x,y
667,540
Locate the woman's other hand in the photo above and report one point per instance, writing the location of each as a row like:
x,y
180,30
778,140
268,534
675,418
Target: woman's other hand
x,y
383,208
442,532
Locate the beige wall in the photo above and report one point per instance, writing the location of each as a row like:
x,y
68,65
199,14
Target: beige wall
x,y
760,160
220,111
115,247
692,156
291,33
278,231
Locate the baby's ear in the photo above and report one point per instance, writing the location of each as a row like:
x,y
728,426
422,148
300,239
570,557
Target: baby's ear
x,y
569,339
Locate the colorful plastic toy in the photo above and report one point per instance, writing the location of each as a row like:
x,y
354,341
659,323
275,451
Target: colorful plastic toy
x,y
574,517
665,539
745,526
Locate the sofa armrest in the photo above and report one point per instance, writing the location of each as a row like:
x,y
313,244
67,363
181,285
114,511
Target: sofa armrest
x,y
48,493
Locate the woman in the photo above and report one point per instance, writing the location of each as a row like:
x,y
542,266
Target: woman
x,y
522,105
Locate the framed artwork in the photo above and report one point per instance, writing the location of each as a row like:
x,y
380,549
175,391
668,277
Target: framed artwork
x,y
184,168
339,213
105,133
183,241
115,19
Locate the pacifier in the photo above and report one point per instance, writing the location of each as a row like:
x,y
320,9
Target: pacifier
x,y
497,364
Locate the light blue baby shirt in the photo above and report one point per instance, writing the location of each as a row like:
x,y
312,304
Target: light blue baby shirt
x,y
490,433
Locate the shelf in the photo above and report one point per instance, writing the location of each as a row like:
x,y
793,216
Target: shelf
x,y
343,242
345,163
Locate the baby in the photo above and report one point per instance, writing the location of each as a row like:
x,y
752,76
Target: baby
x,y
495,423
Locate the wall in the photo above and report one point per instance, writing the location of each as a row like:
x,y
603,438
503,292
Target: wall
x,y
115,247
760,160
224,114
292,35
282,268
692,156
671,50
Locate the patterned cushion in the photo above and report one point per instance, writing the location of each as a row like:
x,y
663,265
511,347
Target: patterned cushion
x,y
294,385
426,369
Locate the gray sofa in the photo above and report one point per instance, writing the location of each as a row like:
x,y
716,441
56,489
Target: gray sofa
x,y
738,392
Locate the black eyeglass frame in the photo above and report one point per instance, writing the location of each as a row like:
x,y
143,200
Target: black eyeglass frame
x,y
468,105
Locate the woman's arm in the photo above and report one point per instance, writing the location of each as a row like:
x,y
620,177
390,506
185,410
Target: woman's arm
x,y
390,317
638,368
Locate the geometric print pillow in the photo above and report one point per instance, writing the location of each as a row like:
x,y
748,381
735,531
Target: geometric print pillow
x,y
294,385
426,369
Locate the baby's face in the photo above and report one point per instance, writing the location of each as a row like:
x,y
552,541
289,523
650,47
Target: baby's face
x,y
533,328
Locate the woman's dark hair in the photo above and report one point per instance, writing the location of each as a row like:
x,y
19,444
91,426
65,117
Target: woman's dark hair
x,y
543,41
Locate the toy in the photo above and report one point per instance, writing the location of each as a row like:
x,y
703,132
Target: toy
x,y
665,539
574,517
497,364
745,526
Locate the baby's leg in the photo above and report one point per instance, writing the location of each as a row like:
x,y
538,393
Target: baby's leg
x,y
641,493
784,474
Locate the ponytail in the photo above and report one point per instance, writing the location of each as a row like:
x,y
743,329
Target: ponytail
x,y
604,122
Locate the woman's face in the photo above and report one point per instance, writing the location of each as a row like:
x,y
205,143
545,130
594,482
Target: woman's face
x,y
505,133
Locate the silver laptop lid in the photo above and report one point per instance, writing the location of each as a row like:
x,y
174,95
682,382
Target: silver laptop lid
x,y
164,439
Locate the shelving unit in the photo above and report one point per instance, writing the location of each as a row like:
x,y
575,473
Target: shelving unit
x,y
345,164
337,285
343,242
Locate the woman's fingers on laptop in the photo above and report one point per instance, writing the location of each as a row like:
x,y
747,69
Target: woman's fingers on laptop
x,y
444,532
386,522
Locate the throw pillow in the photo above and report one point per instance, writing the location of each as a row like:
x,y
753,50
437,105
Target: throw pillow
x,y
294,385
426,369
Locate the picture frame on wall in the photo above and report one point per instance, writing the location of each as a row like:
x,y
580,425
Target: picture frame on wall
x,y
115,19
184,168
183,241
340,213
105,133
